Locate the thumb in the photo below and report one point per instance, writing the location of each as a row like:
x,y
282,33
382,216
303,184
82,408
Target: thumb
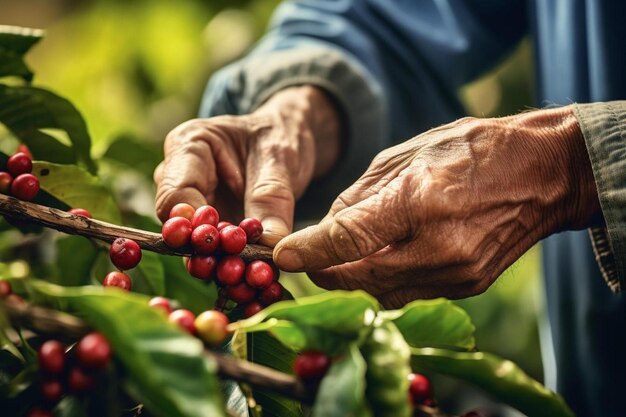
x,y
351,234
269,197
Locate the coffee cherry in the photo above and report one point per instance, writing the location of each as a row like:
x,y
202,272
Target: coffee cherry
x,y
5,182
241,293
211,327
230,270
25,187
125,253
5,288
19,163
182,210
185,319
253,229
259,274
51,357
161,303
176,232
271,294
80,380
420,388
52,390
222,225
311,364
233,239
251,309
205,239
80,212
205,215
118,279
39,412
93,351
202,267
24,149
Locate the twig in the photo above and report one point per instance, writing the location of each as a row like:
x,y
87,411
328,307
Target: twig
x,y
69,328
78,225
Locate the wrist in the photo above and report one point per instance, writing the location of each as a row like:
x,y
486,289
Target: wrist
x,y
314,113
564,153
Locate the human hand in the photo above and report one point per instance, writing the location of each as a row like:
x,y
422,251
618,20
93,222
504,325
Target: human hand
x,y
255,165
445,213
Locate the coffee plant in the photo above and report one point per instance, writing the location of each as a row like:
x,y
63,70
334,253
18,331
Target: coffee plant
x,y
99,316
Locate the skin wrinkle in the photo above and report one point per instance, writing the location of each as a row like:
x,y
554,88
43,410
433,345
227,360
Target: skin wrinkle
x,y
472,197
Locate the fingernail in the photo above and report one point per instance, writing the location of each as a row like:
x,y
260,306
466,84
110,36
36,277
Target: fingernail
x,y
274,229
289,260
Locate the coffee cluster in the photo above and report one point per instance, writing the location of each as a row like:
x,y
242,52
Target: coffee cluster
x,y
17,179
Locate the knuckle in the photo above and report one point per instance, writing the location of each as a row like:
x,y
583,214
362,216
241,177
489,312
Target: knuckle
x,y
347,240
272,189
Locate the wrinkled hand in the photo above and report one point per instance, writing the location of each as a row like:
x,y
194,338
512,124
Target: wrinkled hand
x,y
254,165
445,213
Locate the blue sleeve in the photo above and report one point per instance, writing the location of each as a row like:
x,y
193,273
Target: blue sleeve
x,y
394,67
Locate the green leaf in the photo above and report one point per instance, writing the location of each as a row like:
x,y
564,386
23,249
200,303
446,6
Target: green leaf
x,y
14,43
342,391
25,110
343,312
77,188
387,355
75,258
167,367
149,276
501,378
434,323
140,155
5,342
266,350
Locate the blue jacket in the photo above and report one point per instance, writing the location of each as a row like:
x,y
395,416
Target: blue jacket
x,y
395,68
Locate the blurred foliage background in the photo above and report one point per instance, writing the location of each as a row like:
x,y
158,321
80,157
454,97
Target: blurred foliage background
x,y
137,69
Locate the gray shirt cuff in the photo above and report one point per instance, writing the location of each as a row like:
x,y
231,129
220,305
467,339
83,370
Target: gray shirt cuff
x,y
243,86
604,128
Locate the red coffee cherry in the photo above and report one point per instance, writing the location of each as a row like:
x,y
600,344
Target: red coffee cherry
x,y
5,288
253,229
24,149
125,253
118,279
233,239
185,319
52,390
51,357
202,267
259,274
182,210
25,187
420,388
205,215
19,163
251,309
176,232
161,303
211,327
311,365
222,225
5,182
241,293
205,239
230,270
271,294
80,380
80,212
39,412
93,351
